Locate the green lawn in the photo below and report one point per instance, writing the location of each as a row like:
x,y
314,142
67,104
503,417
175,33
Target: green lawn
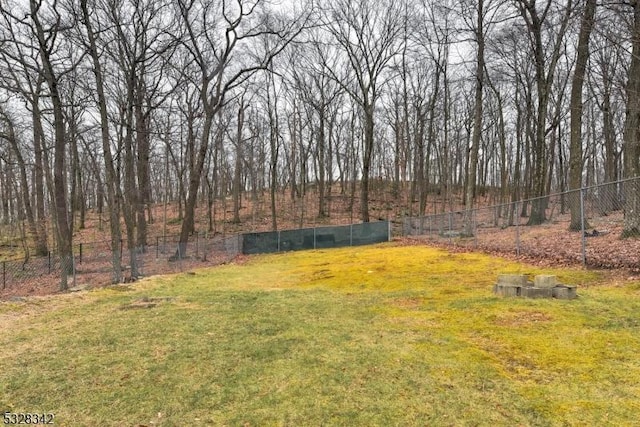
x,y
380,335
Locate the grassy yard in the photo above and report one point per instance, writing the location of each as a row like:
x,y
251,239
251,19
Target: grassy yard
x,y
381,335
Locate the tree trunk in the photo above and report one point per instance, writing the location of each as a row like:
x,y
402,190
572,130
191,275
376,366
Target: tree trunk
x,y
75,171
113,199
545,61
576,150
632,135
60,196
366,162
469,193
42,248
322,213
24,182
130,188
4,196
188,222
237,172
274,148
142,165
419,183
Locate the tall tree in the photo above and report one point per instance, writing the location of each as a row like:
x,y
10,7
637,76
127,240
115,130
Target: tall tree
x,y
8,133
576,146
632,132
368,33
220,38
21,75
604,84
112,186
141,48
479,28
546,40
319,92
47,27
239,142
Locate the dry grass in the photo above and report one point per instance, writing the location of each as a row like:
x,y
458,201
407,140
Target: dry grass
x,y
381,335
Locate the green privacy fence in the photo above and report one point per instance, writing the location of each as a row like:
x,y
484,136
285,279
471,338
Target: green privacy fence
x,y
315,238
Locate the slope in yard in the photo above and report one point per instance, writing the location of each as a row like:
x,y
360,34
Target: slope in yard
x,y
377,335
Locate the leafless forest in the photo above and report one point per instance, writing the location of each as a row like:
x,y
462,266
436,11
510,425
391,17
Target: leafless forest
x,y
115,106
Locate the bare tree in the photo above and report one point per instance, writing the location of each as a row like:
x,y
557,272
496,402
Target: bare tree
x,y
43,27
632,132
368,33
320,93
271,100
484,14
21,74
113,193
239,141
541,32
576,147
8,133
218,36
603,85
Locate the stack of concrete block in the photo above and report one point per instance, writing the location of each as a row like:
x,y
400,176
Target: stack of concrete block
x,y
510,285
543,286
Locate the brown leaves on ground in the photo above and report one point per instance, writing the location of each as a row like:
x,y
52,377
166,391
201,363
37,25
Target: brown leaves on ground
x,y
547,244
552,244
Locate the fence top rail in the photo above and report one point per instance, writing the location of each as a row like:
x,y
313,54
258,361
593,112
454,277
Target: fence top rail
x,y
516,202
320,227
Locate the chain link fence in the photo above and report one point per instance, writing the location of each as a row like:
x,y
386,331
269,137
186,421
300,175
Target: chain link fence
x,y
592,237
92,262
601,214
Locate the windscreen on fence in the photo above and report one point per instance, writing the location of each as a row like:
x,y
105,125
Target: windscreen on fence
x,y
315,238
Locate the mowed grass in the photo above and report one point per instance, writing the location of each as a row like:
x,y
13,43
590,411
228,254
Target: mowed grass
x,y
380,335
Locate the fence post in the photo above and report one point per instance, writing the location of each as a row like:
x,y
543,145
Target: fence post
x,y
80,260
314,237
517,215
583,237
73,270
350,234
204,246
389,230
450,225
474,226
278,240
4,274
49,261
120,251
157,247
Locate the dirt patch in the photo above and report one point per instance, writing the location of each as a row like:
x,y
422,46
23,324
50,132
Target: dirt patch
x,y
408,303
522,318
321,275
146,302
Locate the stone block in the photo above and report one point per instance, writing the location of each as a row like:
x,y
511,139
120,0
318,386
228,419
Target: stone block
x,y
545,281
512,279
507,290
564,292
535,292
